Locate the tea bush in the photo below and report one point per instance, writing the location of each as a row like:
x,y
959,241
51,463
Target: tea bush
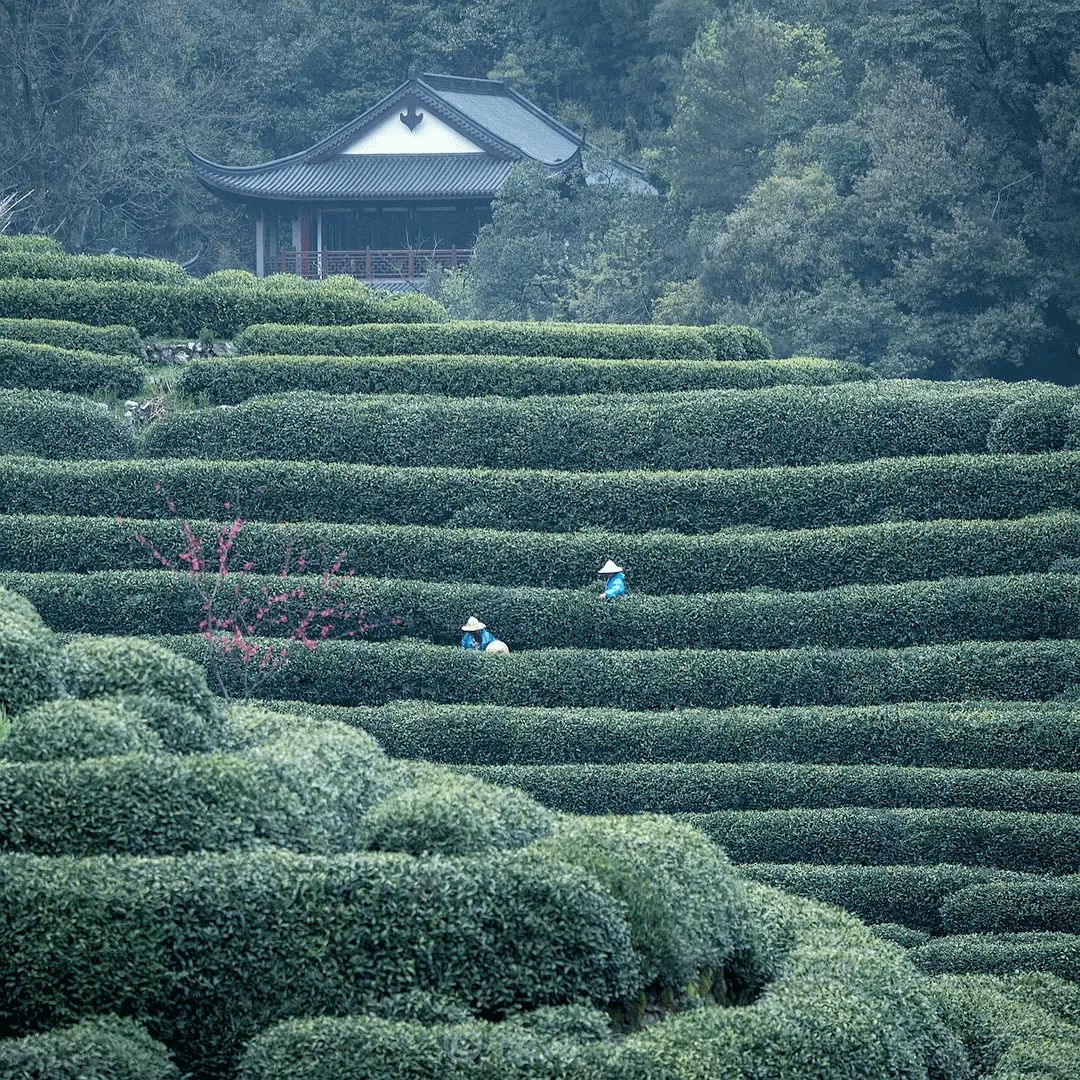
x,y
210,305
30,658
234,379
1002,954
350,673
76,730
728,429
832,984
307,790
46,367
801,559
279,935
600,341
701,786
1040,419
1015,608
1000,1022
61,266
965,486
910,895
99,667
111,340
101,1048
53,425
455,816
686,908
1033,843
1051,904
30,242
975,735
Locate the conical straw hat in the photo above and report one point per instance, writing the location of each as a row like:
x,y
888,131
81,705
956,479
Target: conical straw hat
x,y
473,624
610,568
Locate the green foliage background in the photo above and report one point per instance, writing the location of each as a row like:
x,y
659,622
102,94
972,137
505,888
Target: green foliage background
x,y
890,183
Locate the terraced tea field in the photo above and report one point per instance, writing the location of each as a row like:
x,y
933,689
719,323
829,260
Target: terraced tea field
x,y
849,653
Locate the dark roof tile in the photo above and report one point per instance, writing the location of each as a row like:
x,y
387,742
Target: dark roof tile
x,y
355,176
507,126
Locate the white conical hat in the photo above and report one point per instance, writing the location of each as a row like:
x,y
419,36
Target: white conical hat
x,y
610,568
473,624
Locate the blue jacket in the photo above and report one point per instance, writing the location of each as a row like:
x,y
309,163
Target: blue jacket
x,y
468,641
615,587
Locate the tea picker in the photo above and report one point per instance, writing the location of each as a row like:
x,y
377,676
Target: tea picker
x,y
614,579
476,637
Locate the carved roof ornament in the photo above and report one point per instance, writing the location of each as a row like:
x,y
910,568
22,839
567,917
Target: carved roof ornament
x,y
411,118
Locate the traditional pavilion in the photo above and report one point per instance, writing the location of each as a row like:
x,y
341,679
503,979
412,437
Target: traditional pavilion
x,y
403,187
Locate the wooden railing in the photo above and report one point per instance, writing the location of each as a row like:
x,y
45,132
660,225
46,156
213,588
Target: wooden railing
x,y
368,264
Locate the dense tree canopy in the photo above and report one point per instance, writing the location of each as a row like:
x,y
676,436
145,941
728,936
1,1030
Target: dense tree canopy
x,y
894,182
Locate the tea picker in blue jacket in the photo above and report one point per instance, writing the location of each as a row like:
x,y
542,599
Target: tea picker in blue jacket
x,y
476,636
614,578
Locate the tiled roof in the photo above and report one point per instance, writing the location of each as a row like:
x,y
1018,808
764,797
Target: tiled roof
x,y
506,126
368,176
513,119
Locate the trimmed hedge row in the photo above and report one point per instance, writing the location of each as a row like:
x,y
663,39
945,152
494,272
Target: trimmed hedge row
x,y
52,425
30,658
213,949
1016,608
1033,843
76,730
974,486
1011,907
803,559
454,815
27,366
1041,419
597,340
230,380
105,667
1010,1027
30,242
909,895
219,304
112,340
307,790
977,735
1001,954
350,673
55,266
729,429
101,1048
836,994
706,787
684,903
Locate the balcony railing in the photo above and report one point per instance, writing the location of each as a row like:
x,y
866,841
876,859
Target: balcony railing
x,y
368,264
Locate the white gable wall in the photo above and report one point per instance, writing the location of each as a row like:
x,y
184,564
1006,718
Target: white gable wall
x,y
431,136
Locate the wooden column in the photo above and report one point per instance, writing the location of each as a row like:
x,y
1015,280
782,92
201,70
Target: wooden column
x,y
318,243
260,243
273,249
297,239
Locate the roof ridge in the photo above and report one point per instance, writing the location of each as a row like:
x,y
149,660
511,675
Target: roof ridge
x,y
464,79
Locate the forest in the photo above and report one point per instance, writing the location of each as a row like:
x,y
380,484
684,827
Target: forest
x,y
873,180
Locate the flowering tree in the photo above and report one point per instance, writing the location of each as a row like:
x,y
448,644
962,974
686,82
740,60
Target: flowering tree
x,y
253,622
